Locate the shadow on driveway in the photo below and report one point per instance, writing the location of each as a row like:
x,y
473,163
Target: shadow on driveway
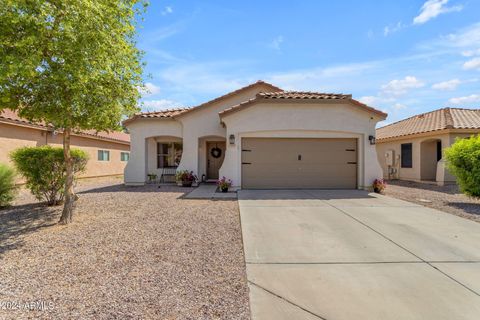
x,y
303,194
154,188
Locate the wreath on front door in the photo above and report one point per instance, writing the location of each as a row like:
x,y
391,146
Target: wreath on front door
x,y
216,152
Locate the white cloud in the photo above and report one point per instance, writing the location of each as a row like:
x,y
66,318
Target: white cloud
x,y
471,53
212,78
157,105
276,43
399,87
465,38
472,64
167,10
393,28
473,98
319,78
375,100
447,85
432,9
399,106
369,100
149,90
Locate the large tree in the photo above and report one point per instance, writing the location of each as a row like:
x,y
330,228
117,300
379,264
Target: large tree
x,y
72,64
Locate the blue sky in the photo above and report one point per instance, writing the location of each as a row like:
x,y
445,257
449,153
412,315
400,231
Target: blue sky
x,y
403,57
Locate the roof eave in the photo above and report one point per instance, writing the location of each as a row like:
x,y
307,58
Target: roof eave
x,y
428,133
50,129
258,99
230,94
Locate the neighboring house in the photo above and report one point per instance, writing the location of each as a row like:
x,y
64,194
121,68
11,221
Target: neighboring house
x,y
261,137
108,152
412,149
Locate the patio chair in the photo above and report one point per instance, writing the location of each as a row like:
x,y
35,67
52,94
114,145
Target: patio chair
x,y
168,172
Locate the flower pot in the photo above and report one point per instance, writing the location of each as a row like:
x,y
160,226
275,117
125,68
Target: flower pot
x,y
377,190
187,183
224,189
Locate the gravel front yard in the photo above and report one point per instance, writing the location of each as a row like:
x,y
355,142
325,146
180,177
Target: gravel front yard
x,y
444,198
131,253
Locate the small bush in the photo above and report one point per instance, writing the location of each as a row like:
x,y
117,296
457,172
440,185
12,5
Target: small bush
x,y
45,172
463,160
7,185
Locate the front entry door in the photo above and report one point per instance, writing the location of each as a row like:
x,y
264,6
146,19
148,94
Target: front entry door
x,y
215,156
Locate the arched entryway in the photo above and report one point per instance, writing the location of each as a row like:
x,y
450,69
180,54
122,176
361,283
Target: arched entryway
x,y
163,155
210,157
430,154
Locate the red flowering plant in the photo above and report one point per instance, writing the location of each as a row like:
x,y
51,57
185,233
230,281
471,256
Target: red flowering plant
x,y
186,177
224,183
379,185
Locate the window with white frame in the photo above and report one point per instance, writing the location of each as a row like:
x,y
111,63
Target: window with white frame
x,y
103,155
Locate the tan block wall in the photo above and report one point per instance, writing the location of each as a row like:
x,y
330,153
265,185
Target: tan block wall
x,y
13,137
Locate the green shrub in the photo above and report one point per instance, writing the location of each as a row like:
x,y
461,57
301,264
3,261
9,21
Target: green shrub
x,y
463,159
44,170
7,185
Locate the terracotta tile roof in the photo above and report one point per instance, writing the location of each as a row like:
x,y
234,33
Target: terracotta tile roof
x,y
441,119
303,95
180,111
12,117
300,96
169,113
255,84
113,135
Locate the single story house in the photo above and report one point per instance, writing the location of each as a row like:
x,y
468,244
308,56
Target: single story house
x,y
261,137
108,151
412,149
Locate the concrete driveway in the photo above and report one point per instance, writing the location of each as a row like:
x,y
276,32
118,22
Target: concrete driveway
x,y
316,254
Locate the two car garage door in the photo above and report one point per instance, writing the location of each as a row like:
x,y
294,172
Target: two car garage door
x,y
282,163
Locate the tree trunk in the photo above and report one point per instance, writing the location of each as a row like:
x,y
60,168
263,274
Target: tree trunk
x,y
67,212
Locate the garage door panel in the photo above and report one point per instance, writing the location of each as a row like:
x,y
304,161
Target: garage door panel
x,y
299,163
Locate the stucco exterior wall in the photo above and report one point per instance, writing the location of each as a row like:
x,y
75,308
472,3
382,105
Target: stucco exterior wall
x,y
415,173
13,137
96,168
204,122
143,149
299,120
194,128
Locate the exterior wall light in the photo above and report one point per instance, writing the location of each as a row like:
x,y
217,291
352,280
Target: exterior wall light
x,y
231,139
372,140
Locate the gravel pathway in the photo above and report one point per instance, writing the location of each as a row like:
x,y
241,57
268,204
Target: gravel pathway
x,y
131,253
444,198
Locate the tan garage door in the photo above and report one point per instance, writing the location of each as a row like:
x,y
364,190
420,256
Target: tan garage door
x,y
282,163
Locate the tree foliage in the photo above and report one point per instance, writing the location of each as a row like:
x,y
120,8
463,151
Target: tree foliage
x,y
463,159
72,64
7,185
44,170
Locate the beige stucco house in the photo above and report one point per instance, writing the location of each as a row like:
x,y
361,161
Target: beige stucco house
x,y
108,152
412,149
261,137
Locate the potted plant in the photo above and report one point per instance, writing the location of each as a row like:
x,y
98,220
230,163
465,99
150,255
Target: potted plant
x,y
152,177
186,177
223,184
379,185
